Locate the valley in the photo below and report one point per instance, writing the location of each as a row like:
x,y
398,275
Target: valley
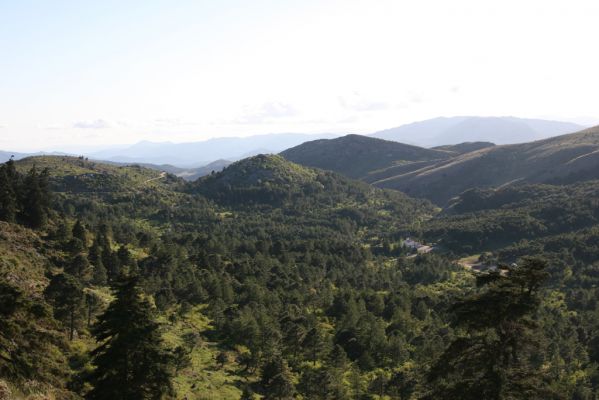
x,y
273,276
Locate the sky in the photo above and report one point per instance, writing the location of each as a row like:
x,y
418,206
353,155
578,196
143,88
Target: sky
x,y
78,74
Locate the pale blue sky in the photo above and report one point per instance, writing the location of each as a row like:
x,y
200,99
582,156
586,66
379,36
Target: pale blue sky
x,y
76,73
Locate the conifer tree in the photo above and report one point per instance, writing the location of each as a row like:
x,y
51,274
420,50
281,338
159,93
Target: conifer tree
x,y
130,361
8,196
35,198
79,267
79,231
492,359
124,256
277,380
99,275
30,345
65,293
111,262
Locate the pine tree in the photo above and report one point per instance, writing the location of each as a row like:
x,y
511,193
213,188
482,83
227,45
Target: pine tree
x,y
277,380
62,233
111,262
99,273
130,362
492,359
124,256
79,267
30,345
8,196
79,231
65,293
92,304
35,199
99,276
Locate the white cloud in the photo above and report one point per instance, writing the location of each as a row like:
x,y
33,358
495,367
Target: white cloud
x,y
267,112
359,103
95,124
173,123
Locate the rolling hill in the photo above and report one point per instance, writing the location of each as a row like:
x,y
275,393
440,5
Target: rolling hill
x,y
356,156
76,174
559,160
272,181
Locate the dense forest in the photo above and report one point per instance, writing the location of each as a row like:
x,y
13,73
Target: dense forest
x,y
277,281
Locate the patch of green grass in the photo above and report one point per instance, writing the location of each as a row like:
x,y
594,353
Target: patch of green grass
x,y
204,378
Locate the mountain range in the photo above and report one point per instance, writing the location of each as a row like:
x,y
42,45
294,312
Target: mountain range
x,y
499,130
196,154
238,260
442,173
430,133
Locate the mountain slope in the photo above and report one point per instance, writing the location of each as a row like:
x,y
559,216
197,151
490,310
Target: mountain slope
x,y
76,174
356,156
499,130
486,219
563,159
462,148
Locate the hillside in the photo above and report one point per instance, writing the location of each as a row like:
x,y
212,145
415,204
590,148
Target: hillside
x,y
500,130
462,148
559,160
30,338
267,268
77,174
488,219
273,182
355,156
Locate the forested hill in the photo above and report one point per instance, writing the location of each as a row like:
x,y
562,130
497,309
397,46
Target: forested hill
x,y
246,277
277,281
489,219
272,181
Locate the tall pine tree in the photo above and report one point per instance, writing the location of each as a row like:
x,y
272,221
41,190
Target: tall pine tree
x,y
65,293
493,357
8,192
130,362
35,198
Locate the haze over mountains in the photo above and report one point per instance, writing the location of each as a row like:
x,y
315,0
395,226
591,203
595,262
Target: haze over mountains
x,y
430,133
402,161
254,249
499,130
196,154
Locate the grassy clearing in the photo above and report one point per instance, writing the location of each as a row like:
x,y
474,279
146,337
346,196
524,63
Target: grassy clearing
x,y
204,378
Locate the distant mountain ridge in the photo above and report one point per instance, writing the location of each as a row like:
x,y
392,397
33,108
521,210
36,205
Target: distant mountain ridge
x,y
7,155
195,154
499,130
